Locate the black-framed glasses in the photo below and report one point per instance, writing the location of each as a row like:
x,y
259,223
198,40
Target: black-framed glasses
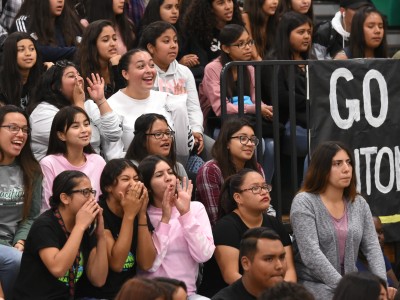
x,y
258,188
13,128
160,135
85,192
243,45
244,139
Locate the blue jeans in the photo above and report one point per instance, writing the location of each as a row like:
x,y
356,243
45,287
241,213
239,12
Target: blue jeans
x,y
10,260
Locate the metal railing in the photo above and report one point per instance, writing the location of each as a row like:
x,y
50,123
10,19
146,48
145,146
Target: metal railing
x,y
241,65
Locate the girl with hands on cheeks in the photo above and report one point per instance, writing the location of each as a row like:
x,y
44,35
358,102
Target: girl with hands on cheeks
x,y
182,235
59,247
124,200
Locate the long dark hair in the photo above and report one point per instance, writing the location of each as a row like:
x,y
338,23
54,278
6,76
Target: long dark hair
x,y
147,167
64,183
317,176
228,35
11,80
62,121
42,25
111,171
138,148
220,152
49,87
359,285
151,14
103,10
200,21
288,22
88,54
30,167
262,25
357,38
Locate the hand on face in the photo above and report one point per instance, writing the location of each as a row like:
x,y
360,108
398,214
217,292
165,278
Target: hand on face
x,y
100,224
145,201
184,194
87,213
132,200
78,95
167,203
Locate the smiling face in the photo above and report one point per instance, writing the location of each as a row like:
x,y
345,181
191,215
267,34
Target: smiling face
x,y
123,183
249,201
107,43
78,134
165,50
373,30
341,171
141,72
11,144
159,146
56,7
269,7
169,11
68,81
301,6
240,49
268,266
118,6
300,39
26,54
239,153
223,11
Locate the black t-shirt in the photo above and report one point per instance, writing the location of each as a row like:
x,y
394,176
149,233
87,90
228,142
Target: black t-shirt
x,y
235,291
228,231
114,280
34,280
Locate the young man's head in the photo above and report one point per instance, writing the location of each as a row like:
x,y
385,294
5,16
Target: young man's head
x,y
348,8
263,259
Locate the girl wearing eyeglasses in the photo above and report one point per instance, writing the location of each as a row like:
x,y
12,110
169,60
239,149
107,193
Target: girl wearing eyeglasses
x,y
182,234
244,199
124,202
70,149
20,192
59,249
153,136
236,45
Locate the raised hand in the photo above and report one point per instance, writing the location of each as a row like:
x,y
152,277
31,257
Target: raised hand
x,y
131,201
96,88
168,202
78,94
87,213
184,194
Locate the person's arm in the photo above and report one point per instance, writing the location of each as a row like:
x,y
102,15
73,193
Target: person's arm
x,y
228,262
118,249
1,293
59,261
97,266
303,219
146,252
208,188
25,225
290,275
47,183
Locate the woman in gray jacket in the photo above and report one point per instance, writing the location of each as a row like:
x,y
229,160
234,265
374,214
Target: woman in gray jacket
x,y
331,223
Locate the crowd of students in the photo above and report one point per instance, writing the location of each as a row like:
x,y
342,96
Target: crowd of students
x,y
118,180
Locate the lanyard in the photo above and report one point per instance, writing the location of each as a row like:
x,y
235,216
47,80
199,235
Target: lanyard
x,y
74,268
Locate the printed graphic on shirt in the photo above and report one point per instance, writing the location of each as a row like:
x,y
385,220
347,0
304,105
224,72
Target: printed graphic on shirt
x,y
215,45
129,263
11,195
78,275
169,85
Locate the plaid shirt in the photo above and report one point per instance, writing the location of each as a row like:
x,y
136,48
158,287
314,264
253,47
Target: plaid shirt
x,y
8,13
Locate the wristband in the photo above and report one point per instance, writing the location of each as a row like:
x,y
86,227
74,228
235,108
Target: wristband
x,y
98,105
23,245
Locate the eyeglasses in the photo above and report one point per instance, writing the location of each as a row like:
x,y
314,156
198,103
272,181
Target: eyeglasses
x,y
160,135
257,189
85,192
244,139
15,129
243,45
